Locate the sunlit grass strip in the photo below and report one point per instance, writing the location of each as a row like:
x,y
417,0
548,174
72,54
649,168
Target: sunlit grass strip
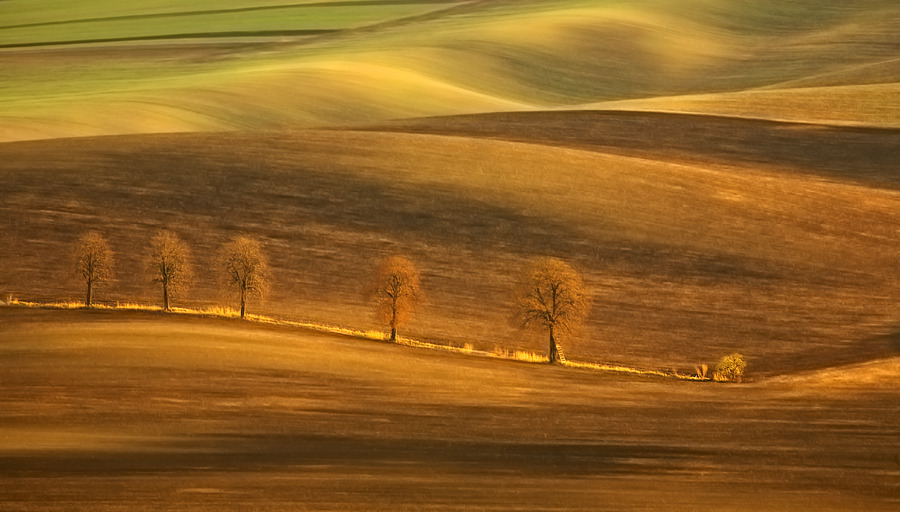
x,y
410,342
329,329
226,312
210,311
134,306
80,305
626,369
613,368
52,305
518,355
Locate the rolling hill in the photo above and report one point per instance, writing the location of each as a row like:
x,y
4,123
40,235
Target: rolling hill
x,y
104,410
689,258
723,174
100,68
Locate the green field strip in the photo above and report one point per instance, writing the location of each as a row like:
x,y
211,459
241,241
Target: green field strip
x,y
276,21
349,3
166,37
567,54
35,12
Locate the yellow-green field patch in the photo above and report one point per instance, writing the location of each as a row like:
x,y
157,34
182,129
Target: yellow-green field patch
x,y
53,24
272,66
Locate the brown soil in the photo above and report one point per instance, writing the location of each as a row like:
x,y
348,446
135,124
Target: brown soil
x,y
133,411
847,154
686,264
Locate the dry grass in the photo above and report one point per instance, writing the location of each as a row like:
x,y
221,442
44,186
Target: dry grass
x,y
54,305
517,355
622,369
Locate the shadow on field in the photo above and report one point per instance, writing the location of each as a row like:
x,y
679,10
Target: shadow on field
x,y
814,358
284,198
278,452
862,155
265,186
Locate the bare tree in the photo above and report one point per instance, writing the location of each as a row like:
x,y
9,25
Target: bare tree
x,y
93,261
245,267
551,296
169,265
395,292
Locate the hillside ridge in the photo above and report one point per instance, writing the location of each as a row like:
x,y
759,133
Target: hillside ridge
x,y
689,261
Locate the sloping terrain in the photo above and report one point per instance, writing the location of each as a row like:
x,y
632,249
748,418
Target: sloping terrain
x,y
854,105
113,410
687,261
158,67
724,174
864,156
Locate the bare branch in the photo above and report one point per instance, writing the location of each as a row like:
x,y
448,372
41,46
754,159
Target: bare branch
x,y
93,261
245,268
553,297
395,292
169,265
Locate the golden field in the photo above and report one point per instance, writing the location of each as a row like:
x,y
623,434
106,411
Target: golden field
x,y
723,175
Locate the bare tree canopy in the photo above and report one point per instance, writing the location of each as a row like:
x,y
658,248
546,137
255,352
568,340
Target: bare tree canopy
x,y
395,292
551,296
169,265
93,262
245,267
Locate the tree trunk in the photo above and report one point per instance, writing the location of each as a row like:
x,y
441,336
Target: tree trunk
x,y
554,352
243,304
89,297
394,318
165,297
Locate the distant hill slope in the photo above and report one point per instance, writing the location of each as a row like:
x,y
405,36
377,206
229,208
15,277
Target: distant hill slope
x,y
848,154
162,67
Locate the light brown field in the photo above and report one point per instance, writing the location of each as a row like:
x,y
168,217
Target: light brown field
x,y
774,240
111,410
723,174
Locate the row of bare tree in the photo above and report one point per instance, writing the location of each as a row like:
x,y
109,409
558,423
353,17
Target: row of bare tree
x,y
243,265
551,296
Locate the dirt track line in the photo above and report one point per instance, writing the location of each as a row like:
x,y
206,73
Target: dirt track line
x,y
198,35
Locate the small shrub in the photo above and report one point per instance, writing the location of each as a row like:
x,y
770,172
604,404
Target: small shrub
x,y
731,368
